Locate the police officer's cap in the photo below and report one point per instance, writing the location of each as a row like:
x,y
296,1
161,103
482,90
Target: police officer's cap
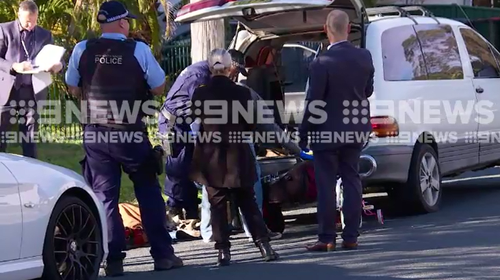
x,y
112,11
238,59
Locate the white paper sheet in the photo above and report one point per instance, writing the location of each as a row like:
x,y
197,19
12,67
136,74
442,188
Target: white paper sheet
x,y
32,71
48,56
41,81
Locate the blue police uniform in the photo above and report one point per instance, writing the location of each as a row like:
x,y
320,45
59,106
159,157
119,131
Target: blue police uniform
x,y
181,191
104,160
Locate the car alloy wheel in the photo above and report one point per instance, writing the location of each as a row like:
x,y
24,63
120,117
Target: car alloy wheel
x,y
76,243
422,193
73,247
430,183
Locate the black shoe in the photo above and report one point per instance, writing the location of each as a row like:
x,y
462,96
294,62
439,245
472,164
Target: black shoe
x,y
168,263
224,258
114,268
267,252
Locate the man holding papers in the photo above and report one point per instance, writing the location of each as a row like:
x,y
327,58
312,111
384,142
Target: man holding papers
x,y
20,42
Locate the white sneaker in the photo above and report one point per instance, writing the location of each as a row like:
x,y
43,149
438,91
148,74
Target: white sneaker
x,y
209,240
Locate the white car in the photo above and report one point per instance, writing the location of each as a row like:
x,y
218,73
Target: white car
x,y
416,58
52,226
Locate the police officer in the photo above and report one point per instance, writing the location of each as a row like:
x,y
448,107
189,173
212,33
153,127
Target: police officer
x,y
182,193
120,72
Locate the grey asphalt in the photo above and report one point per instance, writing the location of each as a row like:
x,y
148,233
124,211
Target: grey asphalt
x,y
461,241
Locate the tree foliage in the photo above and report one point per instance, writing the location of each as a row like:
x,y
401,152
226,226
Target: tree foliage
x,y
72,21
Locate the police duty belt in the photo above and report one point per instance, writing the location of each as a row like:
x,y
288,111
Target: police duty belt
x,y
165,137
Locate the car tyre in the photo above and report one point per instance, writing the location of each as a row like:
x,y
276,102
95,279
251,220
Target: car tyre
x,y
423,190
273,217
73,242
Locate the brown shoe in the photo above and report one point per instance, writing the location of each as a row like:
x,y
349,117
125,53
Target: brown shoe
x,y
321,247
349,245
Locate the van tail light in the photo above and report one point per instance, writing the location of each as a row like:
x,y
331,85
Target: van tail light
x,y
384,126
201,5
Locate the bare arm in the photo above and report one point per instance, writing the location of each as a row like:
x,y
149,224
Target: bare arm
x,y
160,90
75,91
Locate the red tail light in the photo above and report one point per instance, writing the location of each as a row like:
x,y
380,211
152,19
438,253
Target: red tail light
x,y
385,126
202,5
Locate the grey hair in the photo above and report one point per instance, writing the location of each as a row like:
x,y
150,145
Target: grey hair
x,y
219,61
337,22
29,6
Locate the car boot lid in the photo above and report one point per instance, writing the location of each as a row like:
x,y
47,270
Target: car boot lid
x,y
272,16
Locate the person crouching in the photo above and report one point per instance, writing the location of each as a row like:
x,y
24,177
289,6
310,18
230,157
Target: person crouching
x,y
227,166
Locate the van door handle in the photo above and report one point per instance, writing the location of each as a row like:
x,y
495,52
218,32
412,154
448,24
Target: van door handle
x,y
479,90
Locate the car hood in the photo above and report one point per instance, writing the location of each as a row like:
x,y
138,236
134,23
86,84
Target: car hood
x,y
29,170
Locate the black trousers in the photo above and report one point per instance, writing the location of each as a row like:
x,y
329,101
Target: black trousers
x,y
21,110
244,198
327,164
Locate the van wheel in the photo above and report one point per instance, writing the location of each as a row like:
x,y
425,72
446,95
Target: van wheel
x,y
424,179
273,217
423,191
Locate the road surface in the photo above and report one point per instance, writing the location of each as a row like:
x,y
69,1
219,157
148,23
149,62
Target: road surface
x,y
462,241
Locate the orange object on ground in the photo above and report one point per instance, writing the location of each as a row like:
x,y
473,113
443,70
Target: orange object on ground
x,y
134,233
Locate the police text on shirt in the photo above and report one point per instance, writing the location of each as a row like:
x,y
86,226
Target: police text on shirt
x,y
108,59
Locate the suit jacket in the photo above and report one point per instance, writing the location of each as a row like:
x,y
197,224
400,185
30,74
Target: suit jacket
x,y
343,75
222,163
10,51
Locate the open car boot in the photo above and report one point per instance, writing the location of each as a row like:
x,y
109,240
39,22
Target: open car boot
x,y
265,79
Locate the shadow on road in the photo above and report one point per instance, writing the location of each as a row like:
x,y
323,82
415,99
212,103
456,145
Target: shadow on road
x,y
254,271
461,241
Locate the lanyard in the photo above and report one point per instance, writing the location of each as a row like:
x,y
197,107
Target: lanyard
x,y
28,56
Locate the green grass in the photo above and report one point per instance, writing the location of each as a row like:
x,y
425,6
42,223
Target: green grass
x,y
69,155
68,152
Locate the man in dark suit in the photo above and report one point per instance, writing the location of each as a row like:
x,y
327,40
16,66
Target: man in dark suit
x,y
341,78
20,41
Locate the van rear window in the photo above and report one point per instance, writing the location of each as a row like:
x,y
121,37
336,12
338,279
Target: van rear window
x,y
421,52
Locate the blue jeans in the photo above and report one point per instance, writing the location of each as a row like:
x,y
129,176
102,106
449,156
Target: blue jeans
x,y
206,227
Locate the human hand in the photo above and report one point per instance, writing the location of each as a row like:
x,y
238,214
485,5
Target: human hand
x,y
56,68
22,66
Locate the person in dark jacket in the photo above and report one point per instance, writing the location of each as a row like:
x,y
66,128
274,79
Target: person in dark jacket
x,y
182,193
238,60
342,78
225,165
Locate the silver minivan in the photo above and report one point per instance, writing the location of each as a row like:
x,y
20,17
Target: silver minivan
x,y
410,170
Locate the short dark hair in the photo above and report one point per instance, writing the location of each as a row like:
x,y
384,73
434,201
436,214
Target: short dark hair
x,y
28,5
